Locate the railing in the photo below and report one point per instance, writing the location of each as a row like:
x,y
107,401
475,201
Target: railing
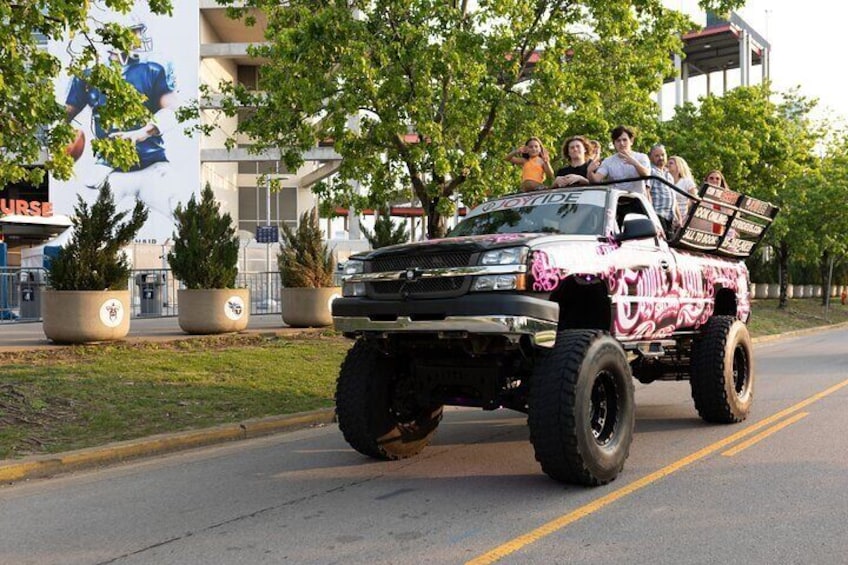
x,y
153,293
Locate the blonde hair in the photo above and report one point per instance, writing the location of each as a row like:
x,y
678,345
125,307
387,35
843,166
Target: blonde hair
x,y
723,183
682,167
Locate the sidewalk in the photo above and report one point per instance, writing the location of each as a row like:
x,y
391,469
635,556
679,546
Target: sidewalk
x,y
27,336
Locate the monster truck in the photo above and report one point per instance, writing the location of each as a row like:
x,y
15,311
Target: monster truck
x,y
549,303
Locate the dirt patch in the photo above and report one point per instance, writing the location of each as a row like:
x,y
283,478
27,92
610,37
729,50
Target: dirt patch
x,y
31,415
75,353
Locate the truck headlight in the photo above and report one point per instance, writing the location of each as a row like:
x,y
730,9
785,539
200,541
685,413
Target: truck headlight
x,y
499,282
507,256
353,267
353,289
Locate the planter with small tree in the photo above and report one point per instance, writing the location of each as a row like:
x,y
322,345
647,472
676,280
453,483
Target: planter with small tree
x,y
205,260
306,271
87,298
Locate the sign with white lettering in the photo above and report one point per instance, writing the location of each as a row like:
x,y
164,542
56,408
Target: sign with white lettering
x,y
727,222
267,234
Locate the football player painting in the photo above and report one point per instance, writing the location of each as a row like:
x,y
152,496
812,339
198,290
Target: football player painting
x,y
146,180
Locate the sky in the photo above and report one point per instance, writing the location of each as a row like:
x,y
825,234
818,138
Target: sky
x,y
806,40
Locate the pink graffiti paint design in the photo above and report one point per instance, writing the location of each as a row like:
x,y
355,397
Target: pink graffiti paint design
x,y
545,276
664,302
608,247
649,302
506,237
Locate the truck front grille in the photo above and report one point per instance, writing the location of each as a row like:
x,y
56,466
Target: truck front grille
x,y
441,287
429,288
404,262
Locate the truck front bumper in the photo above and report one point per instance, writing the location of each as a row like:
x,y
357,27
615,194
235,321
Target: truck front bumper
x,y
509,315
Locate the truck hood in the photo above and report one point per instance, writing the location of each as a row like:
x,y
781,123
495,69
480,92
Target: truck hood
x,y
470,244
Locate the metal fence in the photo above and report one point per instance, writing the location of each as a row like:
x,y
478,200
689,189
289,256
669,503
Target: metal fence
x,y
153,293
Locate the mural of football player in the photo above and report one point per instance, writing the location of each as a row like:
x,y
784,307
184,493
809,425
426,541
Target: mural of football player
x,y
147,180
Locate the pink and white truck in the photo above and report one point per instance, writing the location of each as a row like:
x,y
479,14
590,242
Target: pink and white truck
x,y
550,303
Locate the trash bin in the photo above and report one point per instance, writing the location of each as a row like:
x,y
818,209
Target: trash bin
x,y
31,284
150,293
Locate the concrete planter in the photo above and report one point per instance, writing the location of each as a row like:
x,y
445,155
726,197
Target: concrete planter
x,y
213,311
790,291
752,290
774,290
817,291
800,291
83,316
308,307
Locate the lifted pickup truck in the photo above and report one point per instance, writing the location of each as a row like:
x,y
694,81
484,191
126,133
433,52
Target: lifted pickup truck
x,y
550,303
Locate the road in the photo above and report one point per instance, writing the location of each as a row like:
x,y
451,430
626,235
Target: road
x,y
773,489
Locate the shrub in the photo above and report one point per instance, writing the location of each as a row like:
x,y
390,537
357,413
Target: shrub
x,y
304,259
385,232
205,253
92,259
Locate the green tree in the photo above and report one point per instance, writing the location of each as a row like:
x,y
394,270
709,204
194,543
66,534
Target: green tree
x,y
304,259
428,95
385,231
825,213
764,148
93,259
31,119
206,246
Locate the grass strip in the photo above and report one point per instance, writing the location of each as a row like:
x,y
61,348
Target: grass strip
x,y
85,396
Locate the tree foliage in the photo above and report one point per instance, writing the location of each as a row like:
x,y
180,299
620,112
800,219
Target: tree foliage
x,y
764,144
826,213
426,96
206,246
385,231
93,259
304,260
31,119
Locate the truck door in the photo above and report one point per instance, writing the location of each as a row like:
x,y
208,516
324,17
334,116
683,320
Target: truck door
x,y
640,289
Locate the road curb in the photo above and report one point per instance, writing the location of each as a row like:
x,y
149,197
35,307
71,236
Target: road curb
x,y
797,333
41,466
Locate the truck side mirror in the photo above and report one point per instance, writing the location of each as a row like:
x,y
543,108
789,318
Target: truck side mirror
x,y
637,227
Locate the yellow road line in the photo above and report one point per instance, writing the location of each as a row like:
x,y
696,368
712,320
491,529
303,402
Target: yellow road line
x,y
764,434
558,523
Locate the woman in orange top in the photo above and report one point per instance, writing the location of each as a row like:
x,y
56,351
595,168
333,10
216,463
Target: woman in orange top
x,y
535,164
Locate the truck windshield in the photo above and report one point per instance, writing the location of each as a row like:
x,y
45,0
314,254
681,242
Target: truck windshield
x,y
574,213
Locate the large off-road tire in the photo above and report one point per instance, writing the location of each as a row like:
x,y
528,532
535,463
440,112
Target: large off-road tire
x,y
376,414
723,371
581,412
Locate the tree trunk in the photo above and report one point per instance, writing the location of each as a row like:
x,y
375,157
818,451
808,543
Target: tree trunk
x,y
783,262
436,223
824,261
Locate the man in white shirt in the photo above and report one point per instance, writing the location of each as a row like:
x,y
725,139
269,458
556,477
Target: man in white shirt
x,y
623,164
